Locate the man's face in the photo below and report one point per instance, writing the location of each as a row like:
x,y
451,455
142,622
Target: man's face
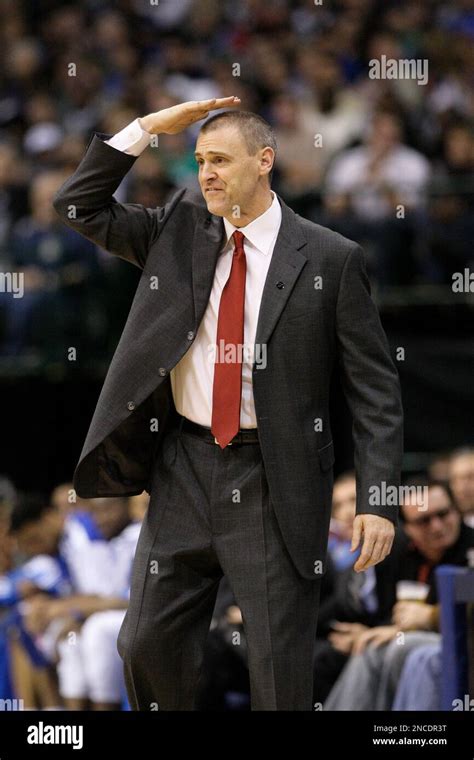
x,y
110,515
228,175
41,536
386,132
435,529
461,479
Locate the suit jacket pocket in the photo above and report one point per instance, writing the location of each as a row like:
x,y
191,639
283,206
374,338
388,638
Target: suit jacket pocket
x,y
326,456
305,315
169,448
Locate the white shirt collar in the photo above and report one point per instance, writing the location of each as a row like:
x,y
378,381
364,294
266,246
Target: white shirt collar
x,y
261,231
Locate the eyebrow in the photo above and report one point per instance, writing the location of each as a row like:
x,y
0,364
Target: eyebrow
x,y
214,153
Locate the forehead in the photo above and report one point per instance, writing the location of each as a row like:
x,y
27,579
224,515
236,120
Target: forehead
x,y
225,138
462,464
437,499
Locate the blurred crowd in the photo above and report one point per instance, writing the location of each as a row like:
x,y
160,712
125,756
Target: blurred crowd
x,y
387,162
65,567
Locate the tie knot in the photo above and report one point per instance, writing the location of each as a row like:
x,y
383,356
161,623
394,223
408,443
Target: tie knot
x,y
238,240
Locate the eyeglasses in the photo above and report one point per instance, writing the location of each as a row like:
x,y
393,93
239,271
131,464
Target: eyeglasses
x,y
426,519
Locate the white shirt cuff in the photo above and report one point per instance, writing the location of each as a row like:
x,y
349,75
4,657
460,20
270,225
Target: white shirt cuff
x,y
133,139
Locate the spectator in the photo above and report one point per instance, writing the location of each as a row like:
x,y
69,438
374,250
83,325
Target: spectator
x,y
328,107
430,538
56,266
96,549
372,180
449,228
438,468
13,193
461,480
373,193
300,161
64,499
342,520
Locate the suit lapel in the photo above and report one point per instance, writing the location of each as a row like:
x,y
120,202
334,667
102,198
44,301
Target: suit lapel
x,y
209,238
285,267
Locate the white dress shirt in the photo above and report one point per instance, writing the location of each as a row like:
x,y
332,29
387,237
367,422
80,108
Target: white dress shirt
x,y
192,378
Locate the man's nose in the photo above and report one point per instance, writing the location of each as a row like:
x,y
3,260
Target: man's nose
x,y
208,173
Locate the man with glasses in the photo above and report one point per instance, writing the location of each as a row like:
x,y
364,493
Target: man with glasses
x,y
433,534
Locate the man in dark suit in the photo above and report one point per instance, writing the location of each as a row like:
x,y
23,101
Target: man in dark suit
x,y
216,403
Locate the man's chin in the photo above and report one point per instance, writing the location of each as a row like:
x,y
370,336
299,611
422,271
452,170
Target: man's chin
x,y
440,542
215,205
217,209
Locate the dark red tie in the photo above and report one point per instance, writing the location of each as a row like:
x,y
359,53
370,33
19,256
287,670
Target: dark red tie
x,y
227,387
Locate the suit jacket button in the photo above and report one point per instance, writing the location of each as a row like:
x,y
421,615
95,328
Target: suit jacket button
x,y
131,405
190,335
162,371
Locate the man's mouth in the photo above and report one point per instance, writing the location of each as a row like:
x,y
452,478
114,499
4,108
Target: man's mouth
x,y
213,190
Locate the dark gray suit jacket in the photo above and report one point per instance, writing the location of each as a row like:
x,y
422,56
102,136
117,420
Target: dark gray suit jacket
x,y
307,325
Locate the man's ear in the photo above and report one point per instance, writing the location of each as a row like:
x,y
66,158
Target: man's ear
x,y
267,159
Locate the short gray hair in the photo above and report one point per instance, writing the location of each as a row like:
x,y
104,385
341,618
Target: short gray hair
x,y
256,132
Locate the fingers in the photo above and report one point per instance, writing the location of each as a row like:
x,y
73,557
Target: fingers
x,y
341,642
374,638
398,618
369,549
195,110
342,627
204,106
400,607
404,614
377,540
356,534
374,550
361,642
233,100
387,548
